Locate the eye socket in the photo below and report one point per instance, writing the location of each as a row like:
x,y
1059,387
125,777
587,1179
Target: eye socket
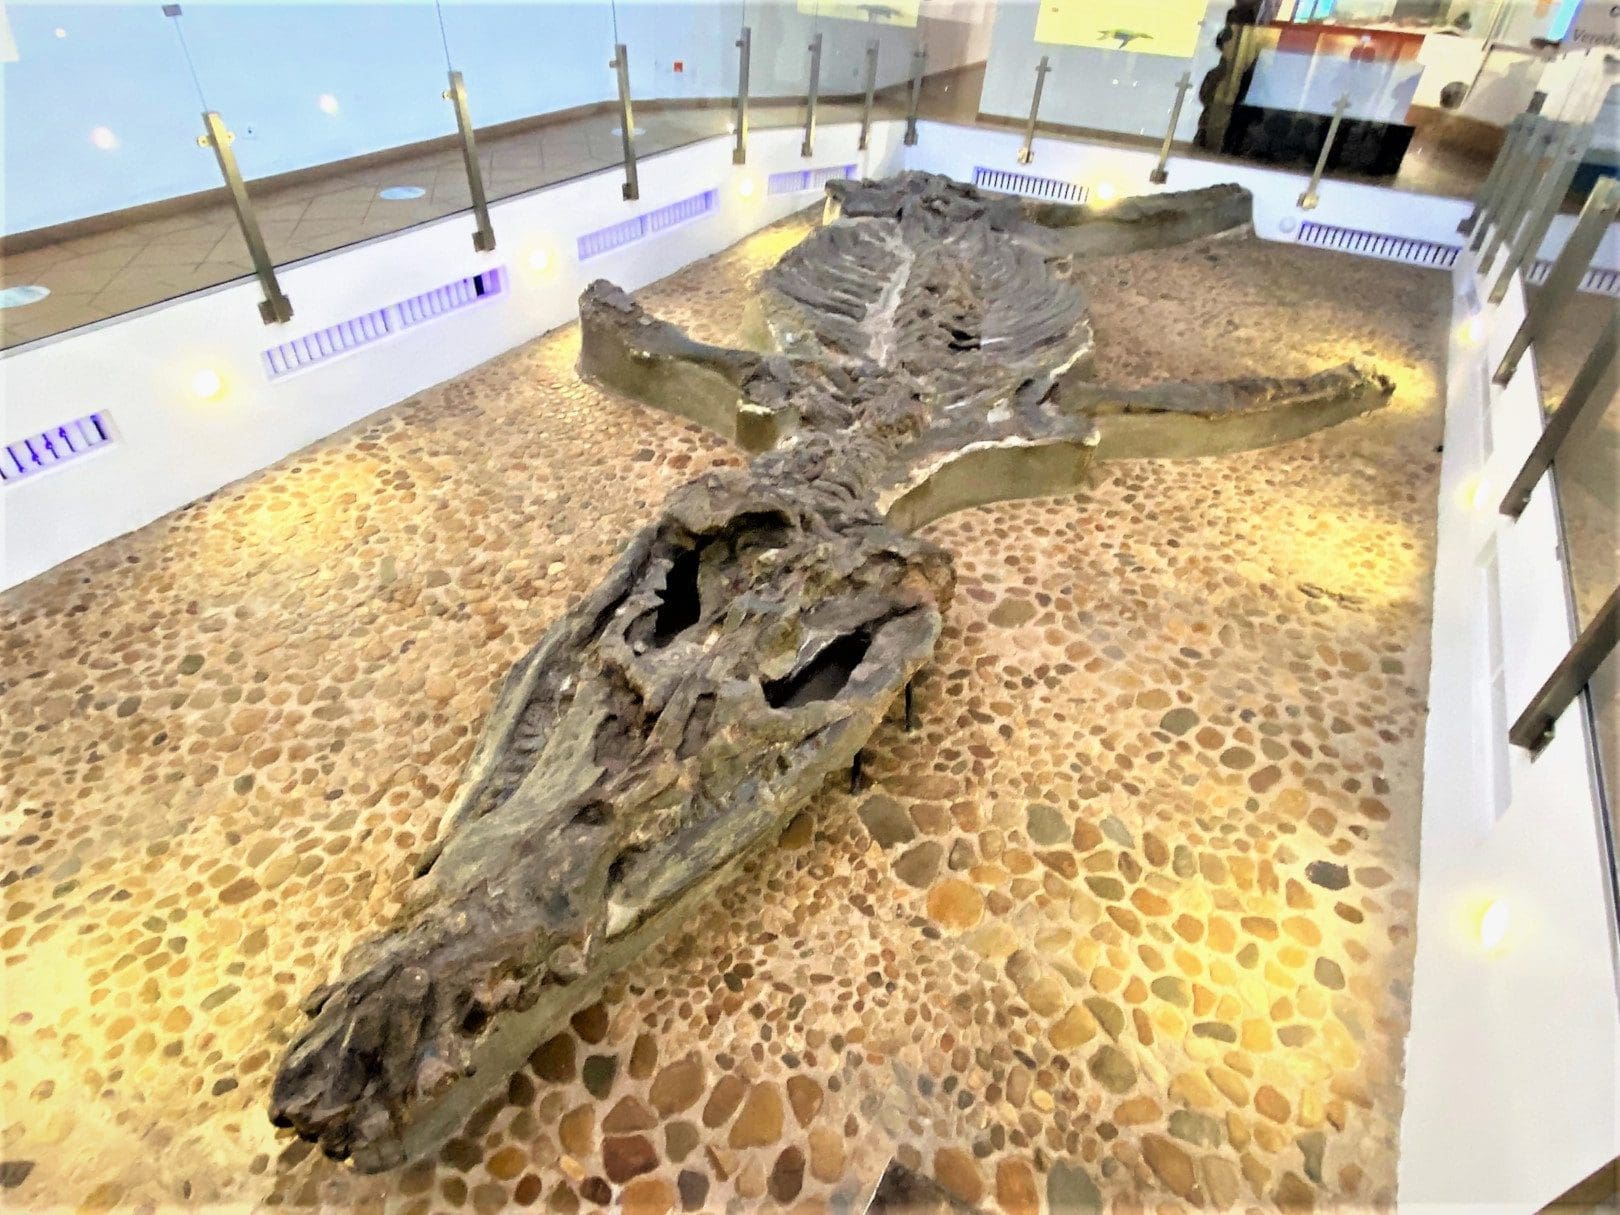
x,y
679,606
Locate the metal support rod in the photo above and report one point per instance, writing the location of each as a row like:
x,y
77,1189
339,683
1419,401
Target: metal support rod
x,y
1512,176
1567,155
1308,200
1564,278
1027,152
627,122
456,94
808,147
275,307
1161,171
1534,729
871,91
1493,179
1517,201
1588,393
745,48
919,60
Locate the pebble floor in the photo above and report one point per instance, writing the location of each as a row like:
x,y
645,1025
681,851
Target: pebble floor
x,y
1125,922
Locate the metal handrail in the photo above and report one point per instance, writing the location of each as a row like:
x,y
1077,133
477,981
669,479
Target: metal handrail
x,y
1534,728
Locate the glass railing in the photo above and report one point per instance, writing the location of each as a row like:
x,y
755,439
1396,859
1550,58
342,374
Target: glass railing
x,y
343,122
1571,337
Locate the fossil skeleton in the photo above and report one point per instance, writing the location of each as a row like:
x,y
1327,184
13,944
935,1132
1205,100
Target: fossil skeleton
x,y
924,350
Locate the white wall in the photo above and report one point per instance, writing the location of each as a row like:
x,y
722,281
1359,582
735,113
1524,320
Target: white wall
x,y
173,448
1513,1061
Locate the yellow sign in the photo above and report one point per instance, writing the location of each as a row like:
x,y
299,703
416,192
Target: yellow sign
x,y
872,12
1143,27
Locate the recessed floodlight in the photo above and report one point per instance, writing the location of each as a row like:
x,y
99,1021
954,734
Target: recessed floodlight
x,y
104,139
206,384
400,193
21,296
539,260
745,187
1105,191
1493,925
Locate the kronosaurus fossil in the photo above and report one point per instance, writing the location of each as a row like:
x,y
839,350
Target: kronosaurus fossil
x,y
925,350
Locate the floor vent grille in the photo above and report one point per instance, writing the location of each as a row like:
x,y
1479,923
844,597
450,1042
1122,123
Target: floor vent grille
x,y
796,181
1597,279
328,343
616,236
40,453
1049,188
1379,244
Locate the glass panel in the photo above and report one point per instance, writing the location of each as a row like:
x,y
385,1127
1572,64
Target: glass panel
x,y
1588,464
88,171
341,128
1114,67
781,60
683,69
1587,476
543,98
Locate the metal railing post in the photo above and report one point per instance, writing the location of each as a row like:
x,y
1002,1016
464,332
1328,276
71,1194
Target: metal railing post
x,y
1161,171
1309,199
745,47
1027,152
627,122
1588,391
1516,172
1493,179
456,94
1517,201
919,60
808,147
1567,154
1565,276
1534,728
871,91
275,307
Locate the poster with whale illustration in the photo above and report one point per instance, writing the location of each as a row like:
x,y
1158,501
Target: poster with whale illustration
x,y
1143,27
872,12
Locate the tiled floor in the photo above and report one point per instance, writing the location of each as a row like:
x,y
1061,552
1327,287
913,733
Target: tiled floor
x,y
1126,921
105,274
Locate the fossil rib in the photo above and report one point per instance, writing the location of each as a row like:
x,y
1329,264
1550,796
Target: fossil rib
x,y
928,350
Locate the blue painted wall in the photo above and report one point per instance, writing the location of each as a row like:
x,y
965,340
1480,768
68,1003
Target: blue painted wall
x,y
119,66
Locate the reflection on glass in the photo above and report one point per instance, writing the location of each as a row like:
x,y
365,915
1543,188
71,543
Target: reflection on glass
x,y
343,131
88,171
542,94
1114,67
